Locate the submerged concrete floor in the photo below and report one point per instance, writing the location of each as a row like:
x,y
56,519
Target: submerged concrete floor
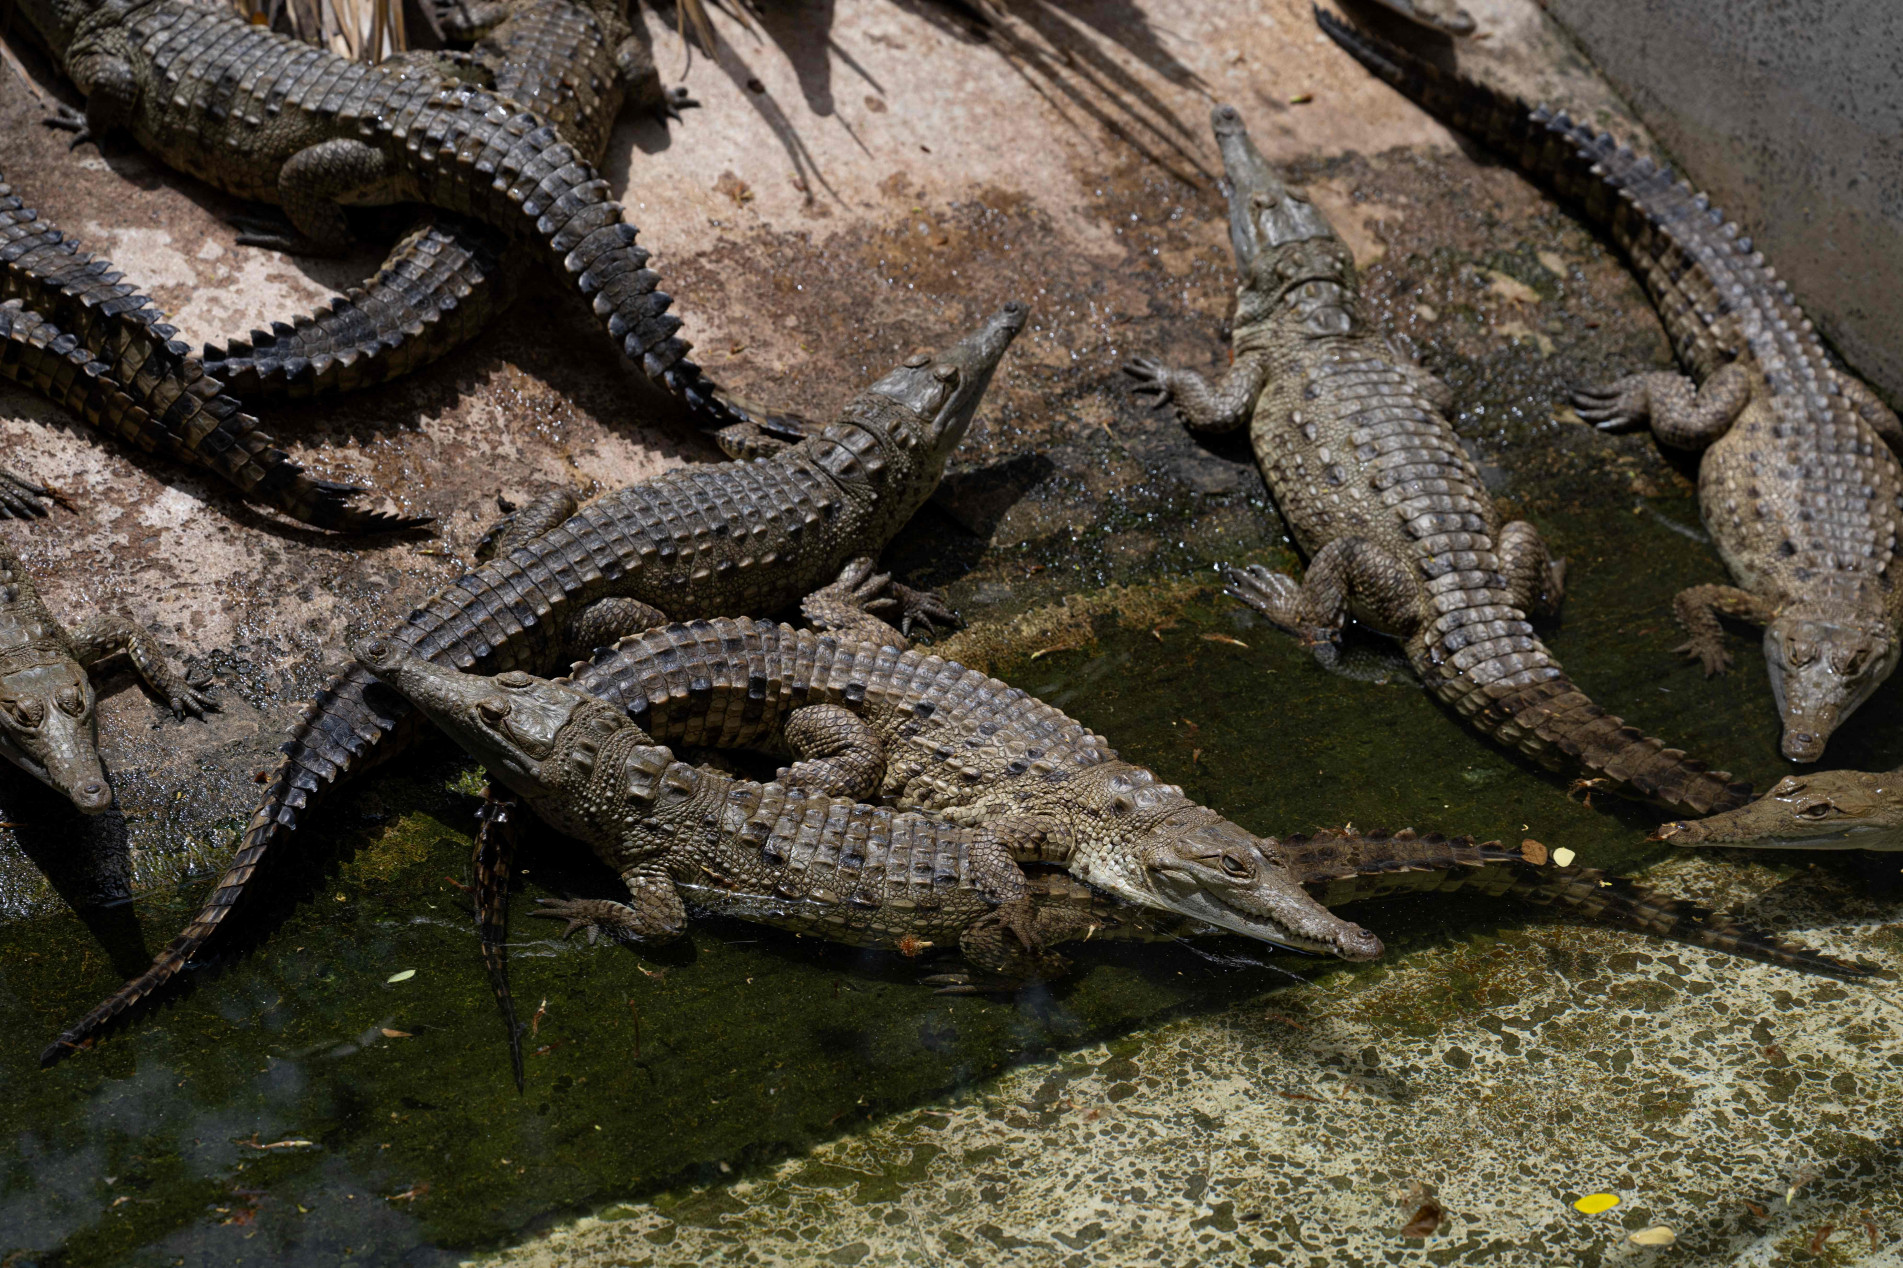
x,y
864,177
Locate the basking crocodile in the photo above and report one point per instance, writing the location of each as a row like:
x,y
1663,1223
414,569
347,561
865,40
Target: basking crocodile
x,y
735,537
1819,810
73,330
573,62
1798,483
265,117
48,722
1377,491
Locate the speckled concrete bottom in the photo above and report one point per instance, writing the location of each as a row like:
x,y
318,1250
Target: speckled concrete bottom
x,y
1751,1111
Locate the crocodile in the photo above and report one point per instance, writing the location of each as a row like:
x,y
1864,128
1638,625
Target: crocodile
x,y
1797,479
792,855
1378,492
1818,810
575,63
264,117
48,711
74,330
710,538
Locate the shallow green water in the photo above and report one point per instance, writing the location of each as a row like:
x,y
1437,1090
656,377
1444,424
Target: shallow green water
x,y
297,1106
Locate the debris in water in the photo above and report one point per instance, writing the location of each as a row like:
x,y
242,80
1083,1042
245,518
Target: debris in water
x,y
1563,857
1533,852
1657,1235
1823,1235
1594,1203
396,1034
1425,1220
404,976
1301,98
1224,638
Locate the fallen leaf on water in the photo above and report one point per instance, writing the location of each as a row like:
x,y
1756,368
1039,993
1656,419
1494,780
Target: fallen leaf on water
x,y
1425,1220
404,976
1049,651
1755,1209
1224,638
1594,1203
396,1034
1564,857
1533,852
410,1194
1657,1235
656,974
1823,1235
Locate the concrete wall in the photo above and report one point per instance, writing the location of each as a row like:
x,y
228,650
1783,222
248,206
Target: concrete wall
x,y
1790,113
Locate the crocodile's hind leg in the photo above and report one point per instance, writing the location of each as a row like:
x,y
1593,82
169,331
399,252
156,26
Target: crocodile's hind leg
x,y
1683,414
1535,580
1881,417
1202,407
527,523
655,915
20,497
1003,961
1698,610
101,636
309,186
1347,572
835,752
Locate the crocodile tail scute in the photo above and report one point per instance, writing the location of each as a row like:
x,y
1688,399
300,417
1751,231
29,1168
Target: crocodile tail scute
x,y
341,729
437,289
1595,896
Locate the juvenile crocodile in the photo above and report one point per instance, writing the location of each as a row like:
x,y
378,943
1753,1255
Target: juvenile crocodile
x,y
264,117
1798,483
575,63
1818,810
1379,494
48,712
73,330
735,537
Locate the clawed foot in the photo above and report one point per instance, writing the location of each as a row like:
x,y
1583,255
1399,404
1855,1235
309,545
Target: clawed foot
x,y
68,119
273,235
192,695
596,915
1278,596
1152,379
1709,652
969,982
922,607
1617,406
746,441
677,100
20,497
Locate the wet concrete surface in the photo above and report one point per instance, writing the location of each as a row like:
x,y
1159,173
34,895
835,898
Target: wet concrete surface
x,y
834,203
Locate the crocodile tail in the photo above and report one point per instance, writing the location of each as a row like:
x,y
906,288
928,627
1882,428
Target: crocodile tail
x,y
351,725
495,846
1614,900
436,290
144,385
1339,867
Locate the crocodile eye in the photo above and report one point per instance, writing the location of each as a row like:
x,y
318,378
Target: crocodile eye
x,y
493,710
1801,654
1236,866
1122,803
514,678
70,701
1816,810
945,373
28,712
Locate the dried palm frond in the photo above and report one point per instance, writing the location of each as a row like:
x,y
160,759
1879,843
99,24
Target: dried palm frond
x,y
361,30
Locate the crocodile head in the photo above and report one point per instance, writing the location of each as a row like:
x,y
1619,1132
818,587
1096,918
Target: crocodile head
x,y
944,389
47,728
1822,810
534,736
1821,670
1287,254
1149,844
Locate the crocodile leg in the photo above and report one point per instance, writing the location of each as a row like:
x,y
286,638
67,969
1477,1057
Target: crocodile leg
x,y
1535,580
1203,408
1004,961
845,607
1347,572
1882,419
19,496
656,915
309,186
835,752
605,620
1698,609
102,636
540,515
1683,414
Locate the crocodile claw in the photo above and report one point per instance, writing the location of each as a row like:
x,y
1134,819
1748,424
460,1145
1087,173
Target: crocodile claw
x,y
1617,406
69,119
676,100
922,607
1151,376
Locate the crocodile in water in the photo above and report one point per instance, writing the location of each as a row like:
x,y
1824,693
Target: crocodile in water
x,y
1798,483
71,329
574,63
1818,810
1380,495
48,722
264,117
731,537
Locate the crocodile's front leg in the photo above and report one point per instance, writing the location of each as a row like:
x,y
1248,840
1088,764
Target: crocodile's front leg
x,y
1203,408
1683,414
655,915
1698,610
103,635
1004,961
112,95
846,606
1349,571
1536,582
835,752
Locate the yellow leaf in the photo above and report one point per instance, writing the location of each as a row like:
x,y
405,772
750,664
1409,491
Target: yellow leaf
x,y
404,976
1564,857
1594,1203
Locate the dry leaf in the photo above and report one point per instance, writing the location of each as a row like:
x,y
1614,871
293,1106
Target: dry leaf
x,y
1657,1235
1425,1220
1594,1203
1533,852
404,976
1301,98
1823,1235
1755,1209
1224,638
1563,857
396,1034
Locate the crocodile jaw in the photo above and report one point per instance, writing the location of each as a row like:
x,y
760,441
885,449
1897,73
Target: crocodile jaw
x,y
945,389
56,746
1822,810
